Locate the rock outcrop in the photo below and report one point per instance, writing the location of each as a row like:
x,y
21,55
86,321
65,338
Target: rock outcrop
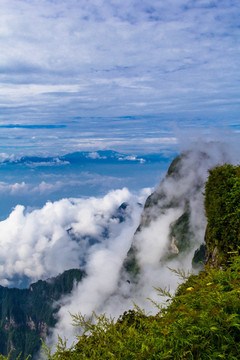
x,y
180,192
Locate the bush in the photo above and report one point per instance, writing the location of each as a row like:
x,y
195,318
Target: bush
x,y
222,205
201,322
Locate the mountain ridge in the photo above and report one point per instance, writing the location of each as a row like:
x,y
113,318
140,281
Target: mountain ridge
x,y
163,199
27,314
202,319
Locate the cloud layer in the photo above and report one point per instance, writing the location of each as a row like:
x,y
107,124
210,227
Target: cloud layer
x,y
43,243
74,232
63,59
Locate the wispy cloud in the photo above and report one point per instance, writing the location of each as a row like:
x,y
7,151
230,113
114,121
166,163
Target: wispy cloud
x,y
113,58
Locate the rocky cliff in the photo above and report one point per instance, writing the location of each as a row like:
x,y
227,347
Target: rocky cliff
x,y
178,201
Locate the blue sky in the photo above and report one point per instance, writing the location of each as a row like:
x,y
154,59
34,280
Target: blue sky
x,y
64,61
136,76
133,76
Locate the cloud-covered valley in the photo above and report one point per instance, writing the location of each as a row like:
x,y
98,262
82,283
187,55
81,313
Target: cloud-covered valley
x,y
108,287
96,233
45,242
97,97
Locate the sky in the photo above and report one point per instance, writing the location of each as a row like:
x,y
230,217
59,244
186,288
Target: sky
x,y
136,77
119,67
145,79
141,78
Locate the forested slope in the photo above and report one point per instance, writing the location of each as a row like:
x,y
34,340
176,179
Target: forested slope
x,y
202,320
27,314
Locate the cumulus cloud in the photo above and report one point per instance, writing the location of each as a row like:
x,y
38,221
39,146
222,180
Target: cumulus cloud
x,y
14,189
45,242
29,189
6,157
153,240
95,155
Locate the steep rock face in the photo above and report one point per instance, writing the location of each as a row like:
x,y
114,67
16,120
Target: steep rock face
x,y
222,205
180,192
27,314
199,258
174,214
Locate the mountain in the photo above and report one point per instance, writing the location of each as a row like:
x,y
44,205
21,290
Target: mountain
x,y
202,320
179,192
177,206
27,314
81,157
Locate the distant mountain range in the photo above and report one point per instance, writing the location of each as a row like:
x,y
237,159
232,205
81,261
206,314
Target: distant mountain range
x,y
101,156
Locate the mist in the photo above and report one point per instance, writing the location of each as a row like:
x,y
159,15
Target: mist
x,y
96,233
107,288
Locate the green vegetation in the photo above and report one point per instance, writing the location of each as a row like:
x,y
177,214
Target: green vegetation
x,y
26,314
199,258
201,322
180,230
175,166
131,264
222,205
2,357
156,205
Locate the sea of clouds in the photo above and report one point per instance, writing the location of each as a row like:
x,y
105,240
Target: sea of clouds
x,y
96,234
61,235
106,287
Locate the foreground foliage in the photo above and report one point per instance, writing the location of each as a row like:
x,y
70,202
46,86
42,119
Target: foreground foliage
x,y
201,322
222,205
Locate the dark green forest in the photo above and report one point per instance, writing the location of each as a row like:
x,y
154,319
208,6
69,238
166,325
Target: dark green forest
x,y
27,314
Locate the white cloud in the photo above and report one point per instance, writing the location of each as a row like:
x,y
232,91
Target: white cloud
x,y
163,140
42,243
94,155
6,157
105,288
170,56
15,188
152,241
